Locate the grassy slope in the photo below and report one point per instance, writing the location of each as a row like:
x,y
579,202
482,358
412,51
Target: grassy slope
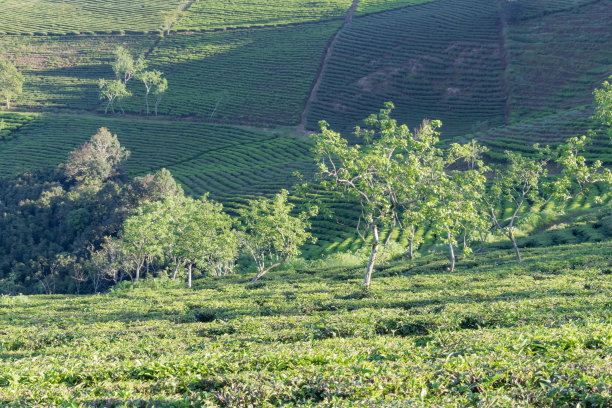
x,y
494,333
82,16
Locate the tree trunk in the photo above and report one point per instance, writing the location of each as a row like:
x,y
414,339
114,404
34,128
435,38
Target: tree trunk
x,y
262,272
138,271
147,102
189,276
8,103
516,248
451,253
175,271
370,269
157,104
411,241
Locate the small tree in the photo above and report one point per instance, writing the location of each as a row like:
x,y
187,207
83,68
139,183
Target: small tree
x,y
453,208
603,113
170,17
143,236
155,187
272,235
577,173
106,263
160,90
112,92
11,82
203,236
603,104
520,183
125,67
98,159
149,79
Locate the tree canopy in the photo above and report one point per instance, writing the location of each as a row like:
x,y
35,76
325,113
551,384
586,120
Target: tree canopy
x,y
11,82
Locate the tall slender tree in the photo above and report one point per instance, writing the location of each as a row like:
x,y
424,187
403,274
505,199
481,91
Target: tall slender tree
x,y
150,79
11,82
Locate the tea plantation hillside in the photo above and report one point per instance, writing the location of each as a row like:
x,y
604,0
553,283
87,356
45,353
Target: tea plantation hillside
x,y
220,159
551,59
247,79
42,17
494,333
437,60
63,71
259,77
467,63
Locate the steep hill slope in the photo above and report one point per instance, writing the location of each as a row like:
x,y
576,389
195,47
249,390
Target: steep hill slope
x,y
506,73
438,60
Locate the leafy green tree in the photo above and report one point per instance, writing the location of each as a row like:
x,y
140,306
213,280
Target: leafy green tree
x,y
170,17
125,67
50,270
453,208
96,160
11,82
203,236
113,92
143,236
106,263
603,103
603,112
272,234
391,175
367,174
159,92
521,183
577,174
150,79
156,187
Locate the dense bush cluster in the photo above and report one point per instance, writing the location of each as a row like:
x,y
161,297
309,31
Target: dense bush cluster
x,y
50,218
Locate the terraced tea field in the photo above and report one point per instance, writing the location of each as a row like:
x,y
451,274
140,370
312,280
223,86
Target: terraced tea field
x,y
247,76
521,10
11,122
434,59
375,6
63,71
493,333
41,17
547,130
580,219
222,160
439,60
554,61
223,14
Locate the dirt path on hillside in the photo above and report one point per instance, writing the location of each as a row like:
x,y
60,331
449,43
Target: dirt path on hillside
x,y
328,53
503,54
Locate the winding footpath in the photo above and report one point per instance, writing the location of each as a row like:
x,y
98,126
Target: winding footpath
x,y
328,53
